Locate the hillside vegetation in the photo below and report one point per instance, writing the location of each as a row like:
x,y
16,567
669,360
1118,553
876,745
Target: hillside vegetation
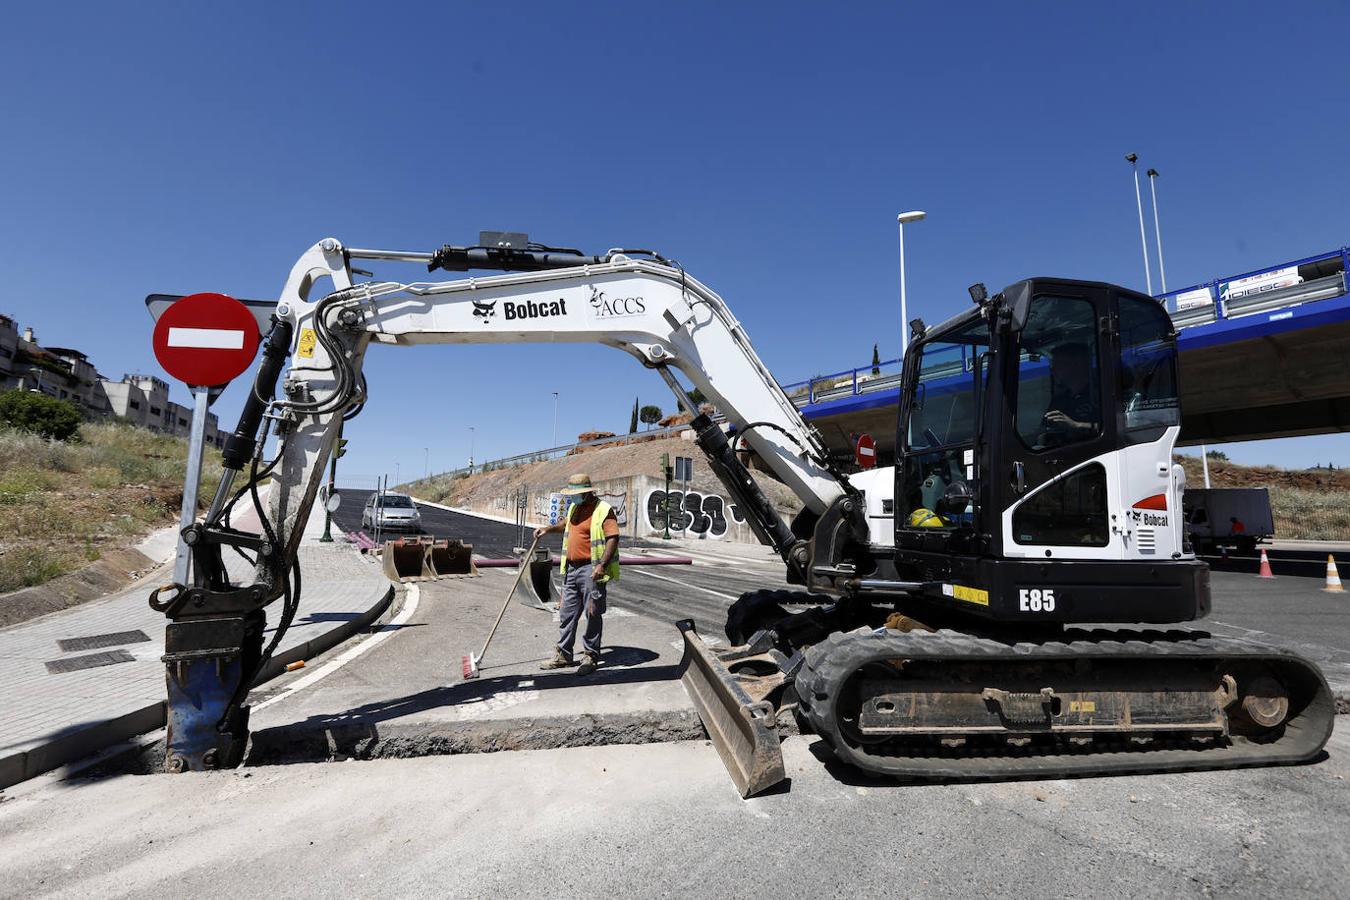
x,y
1308,504
484,489
63,503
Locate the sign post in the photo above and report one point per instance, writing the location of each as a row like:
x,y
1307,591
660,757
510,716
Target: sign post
x,y
201,399
205,340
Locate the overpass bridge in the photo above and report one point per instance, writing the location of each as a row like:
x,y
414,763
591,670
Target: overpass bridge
x,y
1264,354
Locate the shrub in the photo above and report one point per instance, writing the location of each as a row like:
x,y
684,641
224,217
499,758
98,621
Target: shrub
x,y
40,414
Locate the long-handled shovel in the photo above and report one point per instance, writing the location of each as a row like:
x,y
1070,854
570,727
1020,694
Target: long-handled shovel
x,y
470,662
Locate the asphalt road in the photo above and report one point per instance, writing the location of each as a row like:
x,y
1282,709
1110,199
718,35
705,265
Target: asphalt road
x,y
489,539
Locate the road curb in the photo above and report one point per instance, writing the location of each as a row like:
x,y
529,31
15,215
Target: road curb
x,y
83,741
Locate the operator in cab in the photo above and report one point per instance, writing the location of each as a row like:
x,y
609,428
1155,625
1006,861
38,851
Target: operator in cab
x,y
1073,414
590,561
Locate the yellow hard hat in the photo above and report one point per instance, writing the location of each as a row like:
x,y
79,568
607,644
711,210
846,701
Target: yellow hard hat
x,y
925,518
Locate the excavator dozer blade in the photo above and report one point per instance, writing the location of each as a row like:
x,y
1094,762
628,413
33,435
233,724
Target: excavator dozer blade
x,y
743,730
450,557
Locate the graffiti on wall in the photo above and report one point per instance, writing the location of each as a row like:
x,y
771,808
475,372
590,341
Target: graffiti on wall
x,y
691,513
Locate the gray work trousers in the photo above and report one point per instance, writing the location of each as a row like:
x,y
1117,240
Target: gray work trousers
x,y
580,590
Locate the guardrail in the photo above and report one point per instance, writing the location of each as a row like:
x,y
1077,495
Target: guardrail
x,y
885,375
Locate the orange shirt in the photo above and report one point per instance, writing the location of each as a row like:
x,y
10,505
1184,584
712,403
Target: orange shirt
x,y
579,532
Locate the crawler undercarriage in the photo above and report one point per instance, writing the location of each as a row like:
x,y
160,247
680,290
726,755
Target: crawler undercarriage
x,y
900,700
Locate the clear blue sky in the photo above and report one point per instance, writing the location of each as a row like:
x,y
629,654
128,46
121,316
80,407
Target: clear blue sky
x,y
193,147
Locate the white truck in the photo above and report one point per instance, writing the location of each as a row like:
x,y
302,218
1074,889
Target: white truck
x,y
1217,518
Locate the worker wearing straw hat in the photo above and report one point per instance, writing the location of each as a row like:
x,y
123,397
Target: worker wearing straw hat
x,y
590,561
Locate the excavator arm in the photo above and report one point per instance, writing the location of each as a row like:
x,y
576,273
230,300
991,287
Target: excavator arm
x,y
634,301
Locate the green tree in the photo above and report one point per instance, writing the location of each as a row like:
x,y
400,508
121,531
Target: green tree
x,y
40,414
697,396
633,420
650,415
876,361
1217,455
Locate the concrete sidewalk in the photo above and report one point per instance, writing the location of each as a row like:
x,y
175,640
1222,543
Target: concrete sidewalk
x,y
60,703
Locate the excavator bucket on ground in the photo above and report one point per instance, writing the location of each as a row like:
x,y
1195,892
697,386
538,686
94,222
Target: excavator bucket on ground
x,y
536,589
418,559
450,557
730,691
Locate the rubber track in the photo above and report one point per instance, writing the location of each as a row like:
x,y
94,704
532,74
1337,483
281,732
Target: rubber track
x,y
830,664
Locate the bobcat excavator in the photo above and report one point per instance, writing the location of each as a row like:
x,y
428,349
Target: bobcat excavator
x,y
980,610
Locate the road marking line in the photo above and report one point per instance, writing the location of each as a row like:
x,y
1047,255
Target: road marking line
x,y
351,653
206,338
685,584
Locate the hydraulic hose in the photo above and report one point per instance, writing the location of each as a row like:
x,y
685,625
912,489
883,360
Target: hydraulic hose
x,y
241,445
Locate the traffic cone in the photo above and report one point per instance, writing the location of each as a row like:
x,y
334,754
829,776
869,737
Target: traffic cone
x,y
1265,566
1333,577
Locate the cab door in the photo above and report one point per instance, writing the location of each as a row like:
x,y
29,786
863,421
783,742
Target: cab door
x,y
1056,482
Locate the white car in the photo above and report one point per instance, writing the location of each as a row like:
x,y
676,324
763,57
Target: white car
x,y
391,512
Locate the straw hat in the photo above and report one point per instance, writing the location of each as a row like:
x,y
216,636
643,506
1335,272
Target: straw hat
x,y
580,483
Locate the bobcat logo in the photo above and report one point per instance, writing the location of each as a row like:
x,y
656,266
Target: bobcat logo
x,y
483,310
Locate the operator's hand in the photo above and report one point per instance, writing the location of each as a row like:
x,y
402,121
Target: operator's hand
x,y
598,573
1056,418
540,531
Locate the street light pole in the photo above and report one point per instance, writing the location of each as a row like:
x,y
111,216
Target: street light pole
x,y
1132,159
912,216
470,449
555,420
1157,228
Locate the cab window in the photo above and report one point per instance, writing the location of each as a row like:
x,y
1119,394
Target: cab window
x,y
1149,403
940,432
1068,512
1058,375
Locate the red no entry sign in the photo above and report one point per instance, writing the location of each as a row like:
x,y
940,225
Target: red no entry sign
x,y
866,452
206,340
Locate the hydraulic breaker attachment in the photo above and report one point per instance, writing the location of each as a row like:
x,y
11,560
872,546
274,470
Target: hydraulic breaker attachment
x,y
732,691
205,664
418,559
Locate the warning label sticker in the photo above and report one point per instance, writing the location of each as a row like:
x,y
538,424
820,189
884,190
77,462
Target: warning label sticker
x,y
307,341
968,594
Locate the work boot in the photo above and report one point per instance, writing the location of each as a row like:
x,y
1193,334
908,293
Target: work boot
x,y
589,663
560,660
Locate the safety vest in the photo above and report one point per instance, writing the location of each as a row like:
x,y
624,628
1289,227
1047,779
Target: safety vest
x,y
598,516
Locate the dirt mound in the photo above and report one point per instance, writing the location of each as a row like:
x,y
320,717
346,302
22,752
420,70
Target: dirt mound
x,y
642,456
1223,473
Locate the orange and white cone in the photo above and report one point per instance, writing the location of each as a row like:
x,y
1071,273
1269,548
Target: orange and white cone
x,y
1333,577
1265,566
